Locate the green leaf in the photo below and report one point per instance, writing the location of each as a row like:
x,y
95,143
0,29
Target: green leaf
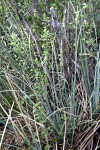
x,y
85,6
0,7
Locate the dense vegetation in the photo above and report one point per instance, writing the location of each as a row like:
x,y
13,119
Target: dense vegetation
x,y
49,75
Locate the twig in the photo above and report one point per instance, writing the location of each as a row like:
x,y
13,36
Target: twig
x,y
9,116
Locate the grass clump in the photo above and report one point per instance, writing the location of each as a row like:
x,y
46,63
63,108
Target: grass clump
x,y
49,76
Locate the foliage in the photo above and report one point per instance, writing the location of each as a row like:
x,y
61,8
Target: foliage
x,y
49,80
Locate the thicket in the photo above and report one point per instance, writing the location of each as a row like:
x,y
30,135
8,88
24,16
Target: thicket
x,y
49,75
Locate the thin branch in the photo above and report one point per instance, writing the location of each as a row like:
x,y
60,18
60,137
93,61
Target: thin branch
x,y
12,50
9,116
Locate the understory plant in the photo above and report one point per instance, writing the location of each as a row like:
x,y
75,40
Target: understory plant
x,y
49,76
